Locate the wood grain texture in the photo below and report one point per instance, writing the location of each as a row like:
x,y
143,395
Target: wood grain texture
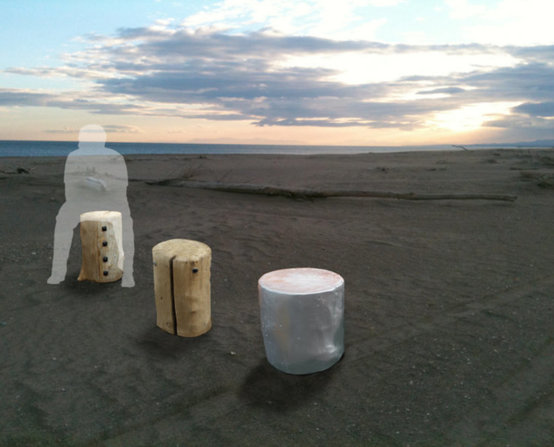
x,y
102,256
182,287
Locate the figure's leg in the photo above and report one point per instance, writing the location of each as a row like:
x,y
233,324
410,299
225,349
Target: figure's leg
x,y
128,247
66,221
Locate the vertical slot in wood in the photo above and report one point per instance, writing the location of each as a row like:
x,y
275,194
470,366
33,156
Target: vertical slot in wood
x,y
173,311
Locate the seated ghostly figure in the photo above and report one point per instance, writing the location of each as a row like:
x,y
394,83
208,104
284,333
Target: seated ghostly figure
x,y
95,179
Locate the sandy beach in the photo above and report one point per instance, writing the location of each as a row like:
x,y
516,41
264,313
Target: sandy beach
x,y
448,320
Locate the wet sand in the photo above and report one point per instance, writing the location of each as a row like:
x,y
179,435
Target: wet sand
x,y
448,320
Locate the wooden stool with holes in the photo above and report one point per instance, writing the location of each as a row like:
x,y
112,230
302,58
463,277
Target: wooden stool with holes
x,y
182,287
101,246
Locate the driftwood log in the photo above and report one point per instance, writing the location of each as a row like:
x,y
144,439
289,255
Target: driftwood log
x,y
301,193
182,287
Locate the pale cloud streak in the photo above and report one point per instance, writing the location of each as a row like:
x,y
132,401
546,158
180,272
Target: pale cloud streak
x,y
504,22
321,18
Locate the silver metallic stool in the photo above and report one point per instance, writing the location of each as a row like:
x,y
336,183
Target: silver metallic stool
x,y
302,319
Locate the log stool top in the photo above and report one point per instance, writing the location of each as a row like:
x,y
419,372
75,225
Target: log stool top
x,y
181,249
300,281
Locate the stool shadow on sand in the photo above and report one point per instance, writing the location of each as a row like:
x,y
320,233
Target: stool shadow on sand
x,y
272,389
158,344
95,179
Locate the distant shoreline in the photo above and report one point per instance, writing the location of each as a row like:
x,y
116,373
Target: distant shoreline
x,y
36,148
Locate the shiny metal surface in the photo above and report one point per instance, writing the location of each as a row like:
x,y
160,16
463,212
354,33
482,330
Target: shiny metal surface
x,y
303,332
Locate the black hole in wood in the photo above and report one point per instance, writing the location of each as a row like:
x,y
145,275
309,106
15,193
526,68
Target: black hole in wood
x,y
194,270
105,244
105,273
104,228
105,259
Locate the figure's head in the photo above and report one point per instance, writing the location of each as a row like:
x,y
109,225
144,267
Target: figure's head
x,y
92,134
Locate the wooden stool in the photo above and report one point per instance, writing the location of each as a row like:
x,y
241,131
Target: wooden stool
x,y
101,246
302,313
182,287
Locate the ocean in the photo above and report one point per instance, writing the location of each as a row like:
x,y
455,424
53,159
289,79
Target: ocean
x,y
13,148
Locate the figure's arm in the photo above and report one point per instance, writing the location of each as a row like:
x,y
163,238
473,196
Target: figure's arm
x,y
96,173
95,183
115,175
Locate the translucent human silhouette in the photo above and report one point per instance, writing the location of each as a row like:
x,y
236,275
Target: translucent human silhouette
x,y
95,179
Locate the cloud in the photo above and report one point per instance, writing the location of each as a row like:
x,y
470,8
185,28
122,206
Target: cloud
x,y
518,122
536,116
110,128
216,75
95,104
238,75
208,44
443,90
538,53
12,97
295,17
525,81
540,109
56,72
118,128
517,22
64,131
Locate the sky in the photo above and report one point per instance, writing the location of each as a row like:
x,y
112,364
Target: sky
x,y
358,72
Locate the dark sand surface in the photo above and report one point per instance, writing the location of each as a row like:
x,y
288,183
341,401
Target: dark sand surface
x,y
448,322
